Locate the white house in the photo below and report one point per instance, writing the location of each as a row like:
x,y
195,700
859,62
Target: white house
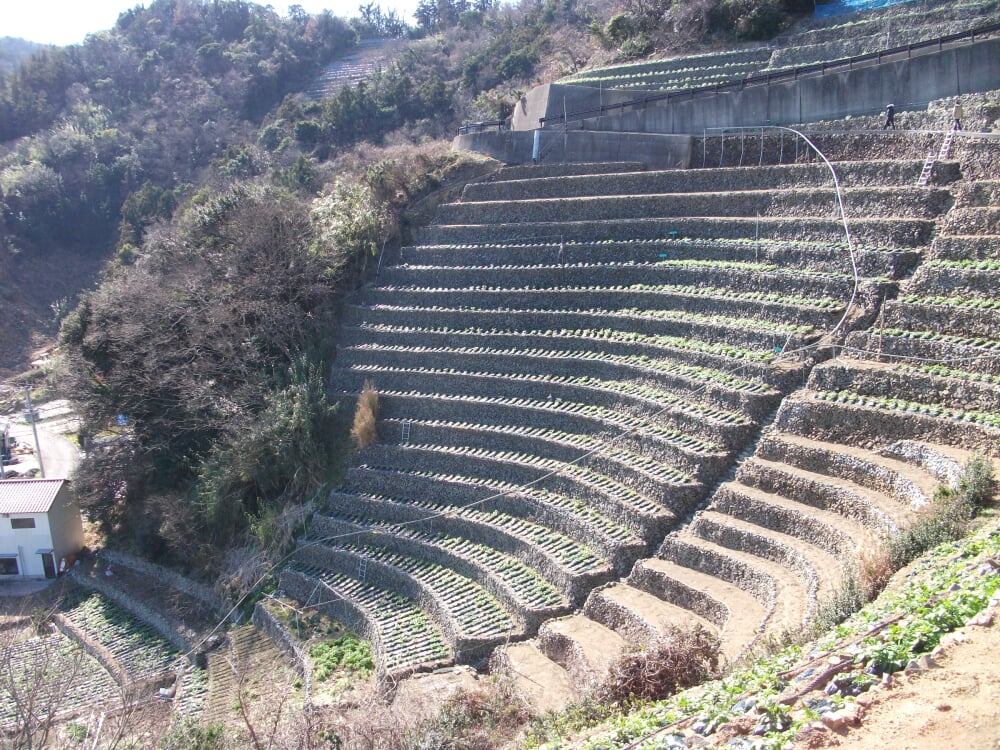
x,y
40,525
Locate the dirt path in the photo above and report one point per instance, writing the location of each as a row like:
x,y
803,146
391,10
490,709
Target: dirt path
x,y
953,705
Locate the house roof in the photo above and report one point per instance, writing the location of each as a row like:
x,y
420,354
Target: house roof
x,y
28,495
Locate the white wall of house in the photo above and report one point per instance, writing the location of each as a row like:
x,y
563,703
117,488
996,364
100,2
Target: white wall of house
x,y
25,543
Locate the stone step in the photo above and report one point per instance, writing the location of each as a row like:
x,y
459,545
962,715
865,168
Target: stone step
x,y
972,220
623,458
736,614
889,232
638,616
545,685
956,278
710,180
521,589
785,593
710,330
804,255
884,201
884,476
646,514
467,399
582,647
836,535
804,558
570,567
965,315
963,246
861,514
666,273
747,396
472,621
403,638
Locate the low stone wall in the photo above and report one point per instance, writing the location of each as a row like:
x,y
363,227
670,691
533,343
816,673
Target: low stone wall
x,y
675,592
567,653
911,82
99,652
711,179
752,580
614,616
529,619
945,467
873,429
285,642
157,572
853,468
969,322
806,202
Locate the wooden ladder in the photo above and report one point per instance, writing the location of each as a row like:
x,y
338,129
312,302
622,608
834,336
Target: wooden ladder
x,y
943,152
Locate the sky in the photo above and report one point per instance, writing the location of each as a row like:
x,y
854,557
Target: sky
x,y
65,22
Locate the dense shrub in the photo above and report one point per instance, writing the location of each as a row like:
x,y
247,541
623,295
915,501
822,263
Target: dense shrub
x,y
678,659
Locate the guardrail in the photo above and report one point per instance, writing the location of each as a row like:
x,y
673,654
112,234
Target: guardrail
x,y
765,79
480,127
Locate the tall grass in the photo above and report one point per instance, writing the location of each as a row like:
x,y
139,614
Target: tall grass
x,y
363,430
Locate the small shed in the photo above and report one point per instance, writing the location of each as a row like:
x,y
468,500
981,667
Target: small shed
x,y
40,526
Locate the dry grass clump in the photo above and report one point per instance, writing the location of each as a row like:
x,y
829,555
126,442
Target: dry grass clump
x,y
678,659
363,429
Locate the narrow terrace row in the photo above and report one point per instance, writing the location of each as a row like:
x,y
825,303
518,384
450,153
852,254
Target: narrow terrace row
x,y
771,177
403,638
832,257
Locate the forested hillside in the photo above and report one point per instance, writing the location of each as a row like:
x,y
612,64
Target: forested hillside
x,y
228,211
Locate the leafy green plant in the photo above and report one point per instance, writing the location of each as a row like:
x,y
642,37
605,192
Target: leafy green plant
x,y
344,654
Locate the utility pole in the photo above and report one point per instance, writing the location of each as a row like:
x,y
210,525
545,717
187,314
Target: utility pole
x,y
34,430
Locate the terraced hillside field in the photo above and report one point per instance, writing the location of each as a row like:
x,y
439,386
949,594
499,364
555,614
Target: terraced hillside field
x,y
819,41
569,364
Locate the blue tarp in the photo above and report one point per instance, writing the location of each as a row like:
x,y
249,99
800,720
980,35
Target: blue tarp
x,y
853,6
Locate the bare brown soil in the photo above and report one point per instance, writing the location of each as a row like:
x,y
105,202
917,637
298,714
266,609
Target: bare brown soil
x,y
955,704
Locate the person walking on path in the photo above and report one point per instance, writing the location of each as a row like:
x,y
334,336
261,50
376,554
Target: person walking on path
x,y
890,115
957,113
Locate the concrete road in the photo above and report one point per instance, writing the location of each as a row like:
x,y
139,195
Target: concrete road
x,y
60,454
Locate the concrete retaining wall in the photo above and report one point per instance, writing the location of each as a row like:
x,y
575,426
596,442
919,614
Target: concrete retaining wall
x,y
656,151
909,83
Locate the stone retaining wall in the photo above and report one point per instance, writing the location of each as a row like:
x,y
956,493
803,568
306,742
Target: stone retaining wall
x,y
286,643
175,580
